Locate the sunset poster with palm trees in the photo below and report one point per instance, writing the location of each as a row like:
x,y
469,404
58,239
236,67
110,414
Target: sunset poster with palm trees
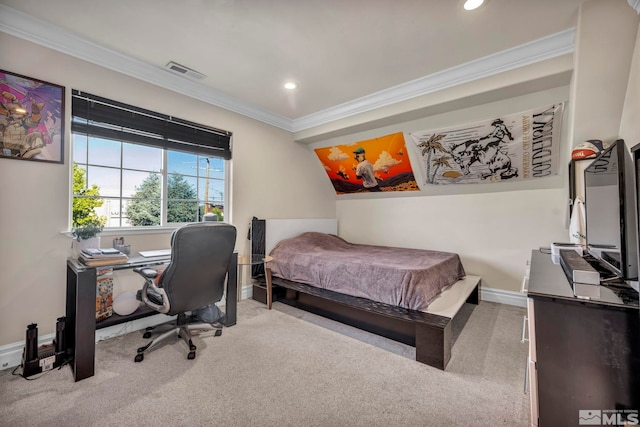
x,y
513,147
374,165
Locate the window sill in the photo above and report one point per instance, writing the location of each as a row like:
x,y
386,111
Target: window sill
x,y
130,231
136,230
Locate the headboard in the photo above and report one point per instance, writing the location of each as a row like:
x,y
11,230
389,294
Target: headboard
x,y
280,229
266,233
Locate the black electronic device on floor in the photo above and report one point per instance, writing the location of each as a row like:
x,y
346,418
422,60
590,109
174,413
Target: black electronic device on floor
x,y
37,359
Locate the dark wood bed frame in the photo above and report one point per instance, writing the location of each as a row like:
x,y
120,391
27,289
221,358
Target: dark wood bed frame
x,y
431,335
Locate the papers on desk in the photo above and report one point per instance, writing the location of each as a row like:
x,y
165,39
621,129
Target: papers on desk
x,y
100,257
158,252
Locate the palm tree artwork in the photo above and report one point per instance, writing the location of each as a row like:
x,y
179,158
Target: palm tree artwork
x,y
437,164
430,147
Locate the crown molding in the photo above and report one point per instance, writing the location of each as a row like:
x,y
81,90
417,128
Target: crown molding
x,y
43,33
635,4
529,53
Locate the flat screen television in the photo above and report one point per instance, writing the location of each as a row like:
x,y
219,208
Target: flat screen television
x,y
610,207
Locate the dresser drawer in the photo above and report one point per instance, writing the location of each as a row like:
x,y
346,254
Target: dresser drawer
x,y
531,329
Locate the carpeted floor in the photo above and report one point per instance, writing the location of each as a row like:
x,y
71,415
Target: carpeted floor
x,y
285,367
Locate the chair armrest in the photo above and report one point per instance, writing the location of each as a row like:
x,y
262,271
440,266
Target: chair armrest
x,y
147,273
150,275
162,308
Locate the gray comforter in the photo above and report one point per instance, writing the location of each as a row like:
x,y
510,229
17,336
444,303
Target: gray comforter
x,y
409,278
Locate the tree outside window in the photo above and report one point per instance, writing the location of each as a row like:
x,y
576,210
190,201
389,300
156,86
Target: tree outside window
x,y
85,201
182,204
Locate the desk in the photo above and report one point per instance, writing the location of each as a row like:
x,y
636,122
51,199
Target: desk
x,y
80,327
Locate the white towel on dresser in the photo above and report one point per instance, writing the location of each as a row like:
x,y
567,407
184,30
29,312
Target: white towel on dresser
x,y
577,232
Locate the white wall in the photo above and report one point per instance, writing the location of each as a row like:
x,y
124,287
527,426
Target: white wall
x,y
270,178
494,233
605,38
604,43
630,123
493,227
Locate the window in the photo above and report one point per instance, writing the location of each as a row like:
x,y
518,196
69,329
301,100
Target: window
x,y
137,168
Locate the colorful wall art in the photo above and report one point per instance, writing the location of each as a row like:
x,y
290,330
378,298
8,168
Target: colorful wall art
x,y
31,119
515,147
373,165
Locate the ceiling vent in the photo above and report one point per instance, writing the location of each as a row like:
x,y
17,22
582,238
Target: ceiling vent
x,y
184,71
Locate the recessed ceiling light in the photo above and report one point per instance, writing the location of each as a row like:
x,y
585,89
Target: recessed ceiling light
x,y
290,85
472,4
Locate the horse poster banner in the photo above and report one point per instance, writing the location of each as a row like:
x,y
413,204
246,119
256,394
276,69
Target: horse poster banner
x,y
374,165
516,147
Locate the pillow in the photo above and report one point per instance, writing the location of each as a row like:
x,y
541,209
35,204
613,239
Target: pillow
x,y
125,303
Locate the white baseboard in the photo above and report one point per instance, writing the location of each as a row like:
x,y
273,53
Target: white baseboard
x,y
246,292
11,354
502,296
134,325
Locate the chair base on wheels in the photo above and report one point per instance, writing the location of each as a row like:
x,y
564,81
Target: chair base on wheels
x,y
183,329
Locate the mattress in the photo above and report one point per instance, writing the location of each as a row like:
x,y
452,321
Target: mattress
x,y
408,278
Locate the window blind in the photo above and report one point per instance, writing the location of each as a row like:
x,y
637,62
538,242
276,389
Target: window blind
x,y
101,117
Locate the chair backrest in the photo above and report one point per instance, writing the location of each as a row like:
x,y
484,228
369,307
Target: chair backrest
x,y
200,255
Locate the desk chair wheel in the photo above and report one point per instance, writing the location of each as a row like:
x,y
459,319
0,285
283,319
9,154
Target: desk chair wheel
x,y
143,348
139,357
191,355
147,332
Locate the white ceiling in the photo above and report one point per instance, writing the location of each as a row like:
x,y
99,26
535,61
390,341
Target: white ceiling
x,y
340,52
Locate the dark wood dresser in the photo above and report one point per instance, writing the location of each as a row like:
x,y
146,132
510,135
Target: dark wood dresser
x,y
584,355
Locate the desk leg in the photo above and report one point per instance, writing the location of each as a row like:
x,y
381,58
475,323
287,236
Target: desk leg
x,y
80,328
231,303
267,275
70,313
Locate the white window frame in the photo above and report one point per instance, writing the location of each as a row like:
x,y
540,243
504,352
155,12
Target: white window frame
x,y
164,226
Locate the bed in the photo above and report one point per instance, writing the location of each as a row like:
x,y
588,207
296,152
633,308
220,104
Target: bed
x,y
409,295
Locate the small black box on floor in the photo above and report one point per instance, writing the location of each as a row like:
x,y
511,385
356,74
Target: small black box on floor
x,y
36,360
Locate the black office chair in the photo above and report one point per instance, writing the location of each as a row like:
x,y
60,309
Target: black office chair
x,y
195,278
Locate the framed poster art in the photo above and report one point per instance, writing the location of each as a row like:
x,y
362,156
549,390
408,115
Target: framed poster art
x,y
31,119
